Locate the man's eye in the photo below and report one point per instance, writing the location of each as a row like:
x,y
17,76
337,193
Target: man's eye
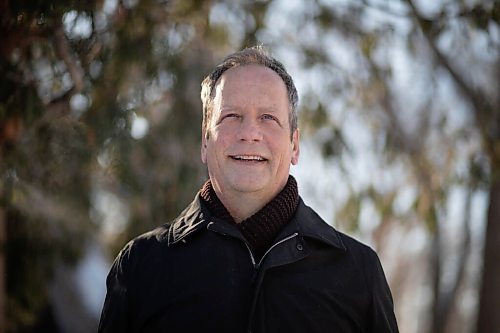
x,y
269,117
228,116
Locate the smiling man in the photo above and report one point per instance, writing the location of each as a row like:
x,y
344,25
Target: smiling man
x,y
248,143
247,255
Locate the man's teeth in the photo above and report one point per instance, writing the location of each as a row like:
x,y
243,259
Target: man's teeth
x,y
248,158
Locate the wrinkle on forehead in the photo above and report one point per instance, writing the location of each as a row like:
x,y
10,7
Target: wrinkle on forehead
x,y
231,83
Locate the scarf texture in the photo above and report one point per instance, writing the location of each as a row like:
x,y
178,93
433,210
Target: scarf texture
x,y
261,228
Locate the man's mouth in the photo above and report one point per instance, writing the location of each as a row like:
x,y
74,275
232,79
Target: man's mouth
x,y
249,158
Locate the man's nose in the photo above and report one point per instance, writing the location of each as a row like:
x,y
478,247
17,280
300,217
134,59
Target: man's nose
x,y
249,130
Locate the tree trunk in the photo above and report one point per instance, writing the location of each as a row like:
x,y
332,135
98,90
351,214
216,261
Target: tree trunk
x,y
3,276
437,320
489,297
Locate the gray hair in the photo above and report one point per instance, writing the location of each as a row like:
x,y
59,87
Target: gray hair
x,y
256,55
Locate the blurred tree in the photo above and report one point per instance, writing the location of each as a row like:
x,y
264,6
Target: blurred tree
x,y
43,154
98,101
99,127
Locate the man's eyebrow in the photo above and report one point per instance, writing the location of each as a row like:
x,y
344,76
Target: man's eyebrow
x,y
228,108
262,109
269,109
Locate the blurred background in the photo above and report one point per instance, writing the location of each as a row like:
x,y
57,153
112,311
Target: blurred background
x,y
100,128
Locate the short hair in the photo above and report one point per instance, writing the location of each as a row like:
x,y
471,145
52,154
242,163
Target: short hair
x,y
256,55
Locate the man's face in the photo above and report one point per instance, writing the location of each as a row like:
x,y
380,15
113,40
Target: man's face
x,y
249,148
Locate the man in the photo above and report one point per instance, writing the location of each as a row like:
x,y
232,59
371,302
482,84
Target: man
x,y
247,255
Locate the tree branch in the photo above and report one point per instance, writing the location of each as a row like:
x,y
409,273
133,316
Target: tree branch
x,y
448,298
64,52
485,111
462,84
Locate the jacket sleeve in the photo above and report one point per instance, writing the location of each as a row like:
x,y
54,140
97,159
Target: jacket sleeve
x,y
114,315
382,315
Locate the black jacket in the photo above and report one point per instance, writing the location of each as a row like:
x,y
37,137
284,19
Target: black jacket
x,y
198,275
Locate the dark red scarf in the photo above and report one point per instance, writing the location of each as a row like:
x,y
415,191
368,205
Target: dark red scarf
x,y
261,228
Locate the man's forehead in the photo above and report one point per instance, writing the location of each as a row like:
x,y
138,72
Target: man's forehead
x,y
246,75
255,71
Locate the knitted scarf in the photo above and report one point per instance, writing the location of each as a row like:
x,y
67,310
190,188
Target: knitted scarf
x,y
261,228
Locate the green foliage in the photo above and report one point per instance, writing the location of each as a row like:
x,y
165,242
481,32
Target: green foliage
x,y
481,15
313,115
348,215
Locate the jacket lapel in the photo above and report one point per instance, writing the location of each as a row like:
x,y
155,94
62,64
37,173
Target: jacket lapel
x,y
311,225
293,238
190,220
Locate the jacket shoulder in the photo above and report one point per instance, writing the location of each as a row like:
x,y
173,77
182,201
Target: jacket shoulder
x,y
150,238
165,235
367,259
312,225
139,246
355,245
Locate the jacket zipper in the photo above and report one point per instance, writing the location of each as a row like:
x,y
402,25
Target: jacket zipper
x,y
257,265
256,270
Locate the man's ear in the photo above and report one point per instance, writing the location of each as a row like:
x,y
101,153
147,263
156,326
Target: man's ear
x,y
203,151
295,147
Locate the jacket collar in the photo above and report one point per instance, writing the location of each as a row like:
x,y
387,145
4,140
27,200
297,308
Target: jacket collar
x,y
310,225
192,219
305,222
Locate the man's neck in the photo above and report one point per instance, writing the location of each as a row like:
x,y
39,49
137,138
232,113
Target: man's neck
x,y
242,205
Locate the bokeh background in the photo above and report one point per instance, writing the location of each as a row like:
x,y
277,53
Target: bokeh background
x,y
100,129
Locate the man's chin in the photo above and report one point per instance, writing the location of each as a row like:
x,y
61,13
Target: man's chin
x,y
247,188
248,185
